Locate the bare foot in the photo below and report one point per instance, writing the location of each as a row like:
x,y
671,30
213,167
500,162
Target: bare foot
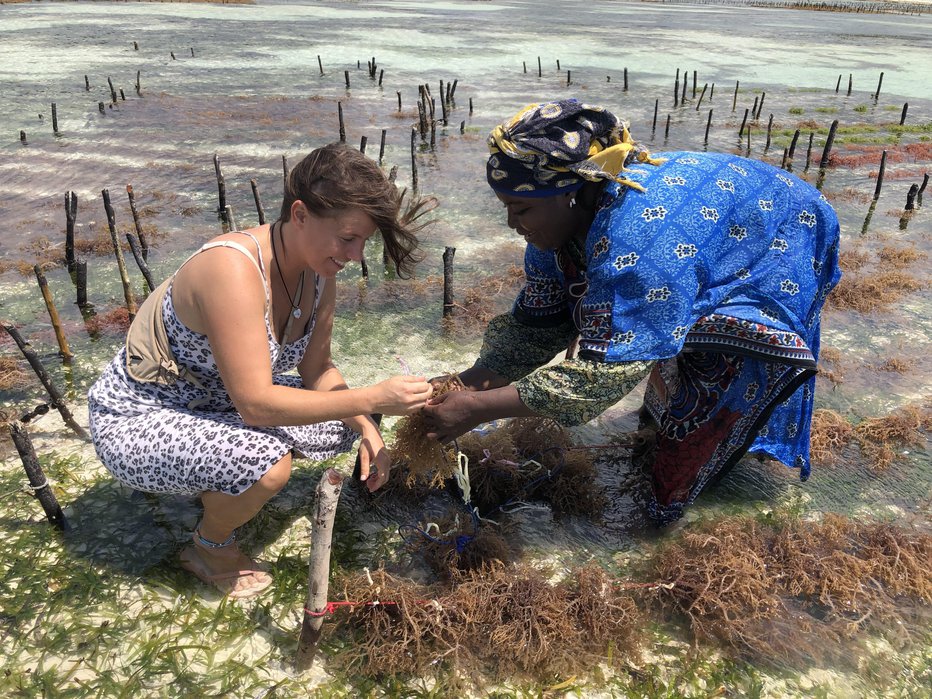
x,y
227,568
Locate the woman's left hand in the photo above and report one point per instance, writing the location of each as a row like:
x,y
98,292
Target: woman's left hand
x,y
452,414
375,461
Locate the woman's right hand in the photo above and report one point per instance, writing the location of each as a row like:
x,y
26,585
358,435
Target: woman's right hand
x,y
401,395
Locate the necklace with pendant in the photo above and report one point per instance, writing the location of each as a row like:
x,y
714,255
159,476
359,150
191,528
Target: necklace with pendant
x,y
295,303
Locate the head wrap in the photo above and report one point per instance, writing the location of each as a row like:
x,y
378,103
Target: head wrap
x,y
554,147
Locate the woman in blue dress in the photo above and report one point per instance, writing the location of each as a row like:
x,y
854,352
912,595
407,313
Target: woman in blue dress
x,y
704,272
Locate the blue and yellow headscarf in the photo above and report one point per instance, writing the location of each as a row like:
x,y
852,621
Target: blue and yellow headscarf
x,y
554,147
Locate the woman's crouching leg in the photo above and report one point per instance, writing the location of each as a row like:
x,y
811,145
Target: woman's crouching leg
x,y
214,555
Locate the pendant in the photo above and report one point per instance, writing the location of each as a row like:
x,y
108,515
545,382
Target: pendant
x,y
296,313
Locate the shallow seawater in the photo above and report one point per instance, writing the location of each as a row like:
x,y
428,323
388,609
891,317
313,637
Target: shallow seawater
x,y
252,92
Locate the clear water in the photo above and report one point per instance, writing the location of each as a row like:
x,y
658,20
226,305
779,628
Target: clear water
x,y
253,92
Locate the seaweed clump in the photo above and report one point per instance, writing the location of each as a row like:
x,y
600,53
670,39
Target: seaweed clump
x,y
12,375
458,544
501,622
425,458
829,434
792,590
531,458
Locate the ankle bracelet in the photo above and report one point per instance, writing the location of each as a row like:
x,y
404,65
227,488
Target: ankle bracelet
x,y
207,543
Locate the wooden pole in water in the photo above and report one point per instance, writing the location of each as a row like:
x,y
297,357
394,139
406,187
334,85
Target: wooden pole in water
x,y
100,107
192,52
704,88
258,200
117,250
666,131
838,84
734,102
683,97
879,83
221,189
66,354
113,98
315,608
760,106
381,75
829,141
346,75
285,174
625,88
143,242
38,483
172,54
568,79
653,127
87,84
793,144
80,273
135,46
363,141
754,109
140,261
342,127
524,65
922,188
769,130
676,89
58,402
743,122
448,254
320,64
911,197
903,114
470,106
55,119
413,163
398,92
71,211
880,173
850,78
382,145
22,137
708,125
540,72
786,154
695,80
231,221
809,150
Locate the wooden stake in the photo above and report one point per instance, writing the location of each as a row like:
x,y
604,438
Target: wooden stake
x,y
809,150
66,354
100,107
448,254
708,125
135,46
342,127
879,83
192,52
285,173
71,210
786,154
258,200
540,72
22,138
320,65
676,89
704,88
80,274
524,65
838,84
113,98
221,189
903,114
793,145
143,242
826,152
653,127
231,222
463,126
568,79
58,402
754,109
55,119
38,483
625,88
87,84
121,264
399,100
346,75
140,262
769,129
883,167
413,163
558,64
743,123
711,92
760,106
911,197
922,188
382,146
734,102
381,75
683,96
172,53
666,131
315,608
695,79
849,84
470,106
363,141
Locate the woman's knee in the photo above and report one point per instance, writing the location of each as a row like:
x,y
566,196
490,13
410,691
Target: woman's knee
x,y
277,477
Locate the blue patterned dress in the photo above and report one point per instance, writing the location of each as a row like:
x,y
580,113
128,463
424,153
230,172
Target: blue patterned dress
x,y
717,272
